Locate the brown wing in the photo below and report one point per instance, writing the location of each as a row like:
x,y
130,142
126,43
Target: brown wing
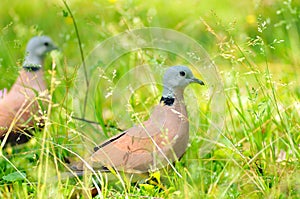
x,y
147,146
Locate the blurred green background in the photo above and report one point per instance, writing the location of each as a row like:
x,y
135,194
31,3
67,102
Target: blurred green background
x,y
216,25
255,45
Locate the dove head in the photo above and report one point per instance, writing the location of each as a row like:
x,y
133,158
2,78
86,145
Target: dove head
x,y
36,50
175,80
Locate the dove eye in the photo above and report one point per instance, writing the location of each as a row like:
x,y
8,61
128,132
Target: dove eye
x,y
46,44
182,73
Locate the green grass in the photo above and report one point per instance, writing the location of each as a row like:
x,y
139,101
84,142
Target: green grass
x,y
256,47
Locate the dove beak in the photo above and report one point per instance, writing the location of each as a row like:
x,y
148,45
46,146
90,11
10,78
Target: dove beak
x,y
198,81
54,47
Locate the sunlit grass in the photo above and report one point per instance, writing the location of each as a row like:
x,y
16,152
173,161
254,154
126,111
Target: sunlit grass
x,y
256,47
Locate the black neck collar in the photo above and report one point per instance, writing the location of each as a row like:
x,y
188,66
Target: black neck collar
x,y
169,101
32,68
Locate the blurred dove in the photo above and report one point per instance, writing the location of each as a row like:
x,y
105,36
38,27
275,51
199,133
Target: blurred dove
x,y
19,105
157,142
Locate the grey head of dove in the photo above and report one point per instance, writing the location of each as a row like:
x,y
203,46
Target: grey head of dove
x,y
175,80
36,50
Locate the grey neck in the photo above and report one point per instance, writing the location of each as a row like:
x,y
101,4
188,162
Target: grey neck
x,y
168,93
170,96
32,62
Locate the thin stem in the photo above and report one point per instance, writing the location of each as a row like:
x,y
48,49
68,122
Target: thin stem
x,y
93,122
82,57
